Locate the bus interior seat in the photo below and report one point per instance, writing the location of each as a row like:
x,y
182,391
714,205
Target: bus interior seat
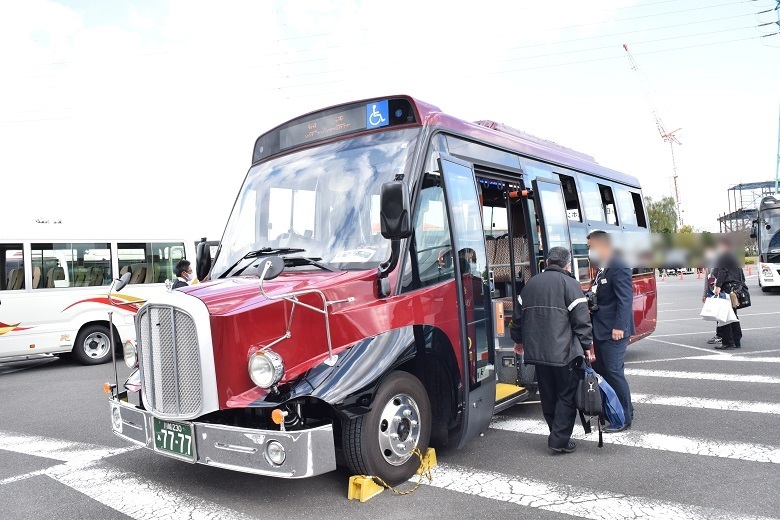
x,y
499,261
36,281
15,279
139,274
153,273
96,277
54,274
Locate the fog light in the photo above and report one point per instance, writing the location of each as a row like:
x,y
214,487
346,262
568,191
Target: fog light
x,y
274,453
131,354
116,419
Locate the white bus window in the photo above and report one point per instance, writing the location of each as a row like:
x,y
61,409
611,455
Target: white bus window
x,y
626,206
60,265
11,267
149,262
591,200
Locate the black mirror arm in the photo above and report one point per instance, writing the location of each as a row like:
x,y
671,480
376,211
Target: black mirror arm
x,y
386,267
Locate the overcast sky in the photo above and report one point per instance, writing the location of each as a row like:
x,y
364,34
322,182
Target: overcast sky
x,y
141,115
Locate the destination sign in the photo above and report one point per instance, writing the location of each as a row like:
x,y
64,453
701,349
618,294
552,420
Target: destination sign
x,y
323,127
335,122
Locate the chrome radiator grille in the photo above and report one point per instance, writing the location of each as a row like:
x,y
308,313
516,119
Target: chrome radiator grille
x,y
169,359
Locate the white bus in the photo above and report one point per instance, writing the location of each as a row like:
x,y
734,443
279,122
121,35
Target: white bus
x,y
54,292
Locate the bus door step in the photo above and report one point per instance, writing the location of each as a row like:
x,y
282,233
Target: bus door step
x,y
508,395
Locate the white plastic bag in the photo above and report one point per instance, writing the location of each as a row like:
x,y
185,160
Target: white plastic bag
x,y
718,309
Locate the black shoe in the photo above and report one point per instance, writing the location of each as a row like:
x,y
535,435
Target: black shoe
x,y
570,448
725,346
737,344
715,340
615,429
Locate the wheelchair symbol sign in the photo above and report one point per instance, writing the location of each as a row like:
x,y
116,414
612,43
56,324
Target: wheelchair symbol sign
x,y
377,114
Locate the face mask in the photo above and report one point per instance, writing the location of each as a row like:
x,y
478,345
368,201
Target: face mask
x,y
189,276
594,256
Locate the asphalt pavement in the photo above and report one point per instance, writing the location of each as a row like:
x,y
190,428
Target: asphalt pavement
x,y
704,444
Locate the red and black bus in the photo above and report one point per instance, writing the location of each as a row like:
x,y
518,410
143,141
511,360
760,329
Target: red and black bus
x,y
358,306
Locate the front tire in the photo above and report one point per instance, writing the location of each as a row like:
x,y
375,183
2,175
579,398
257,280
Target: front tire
x,y
381,442
93,346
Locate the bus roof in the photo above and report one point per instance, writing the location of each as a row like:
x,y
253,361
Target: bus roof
x,y
488,132
769,202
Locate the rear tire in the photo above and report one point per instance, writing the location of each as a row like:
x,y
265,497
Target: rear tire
x,y
93,346
766,289
380,442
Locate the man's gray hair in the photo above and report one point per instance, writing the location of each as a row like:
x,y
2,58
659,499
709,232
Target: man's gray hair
x,y
558,256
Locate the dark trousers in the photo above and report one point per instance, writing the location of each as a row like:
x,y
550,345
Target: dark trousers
x,y
557,387
610,358
731,334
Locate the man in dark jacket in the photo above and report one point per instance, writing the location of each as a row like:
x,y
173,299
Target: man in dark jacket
x,y
728,274
551,320
613,319
184,274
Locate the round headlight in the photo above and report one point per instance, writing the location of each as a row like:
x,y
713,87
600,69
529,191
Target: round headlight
x,y
131,354
266,368
274,453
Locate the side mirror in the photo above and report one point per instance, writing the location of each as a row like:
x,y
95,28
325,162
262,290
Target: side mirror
x,y
122,282
394,211
269,267
202,259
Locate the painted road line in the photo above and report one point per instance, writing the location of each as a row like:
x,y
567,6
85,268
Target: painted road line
x,y
655,441
703,375
713,357
707,403
136,496
740,316
85,471
57,449
709,350
569,500
708,332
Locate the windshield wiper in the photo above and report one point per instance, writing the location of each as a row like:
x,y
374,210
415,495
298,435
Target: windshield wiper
x,y
263,251
295,261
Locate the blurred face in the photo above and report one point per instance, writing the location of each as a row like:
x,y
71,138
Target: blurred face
x,y
599,251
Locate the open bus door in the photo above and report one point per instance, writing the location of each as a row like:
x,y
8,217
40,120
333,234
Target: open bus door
x,y
474,307
551,210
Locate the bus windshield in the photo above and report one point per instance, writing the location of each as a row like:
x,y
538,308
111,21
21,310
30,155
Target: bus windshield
x,y
324,200
770,235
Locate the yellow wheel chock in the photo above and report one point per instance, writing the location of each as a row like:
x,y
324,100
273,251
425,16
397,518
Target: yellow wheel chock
x,y
362,487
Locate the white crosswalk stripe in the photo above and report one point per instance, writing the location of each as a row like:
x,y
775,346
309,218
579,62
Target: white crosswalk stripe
x,y
83,470
707,403
656,441
702,376
569,500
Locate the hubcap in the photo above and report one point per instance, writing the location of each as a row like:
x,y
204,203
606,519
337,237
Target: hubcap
x,y
399,429
96,345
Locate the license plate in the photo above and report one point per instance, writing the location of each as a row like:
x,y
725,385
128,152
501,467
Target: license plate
x,y
174,438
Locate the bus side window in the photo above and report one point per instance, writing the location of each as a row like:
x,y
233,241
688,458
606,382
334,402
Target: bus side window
x,y
12,267
591,200
55,262
626,206
608,202
639,209
572,200
431,250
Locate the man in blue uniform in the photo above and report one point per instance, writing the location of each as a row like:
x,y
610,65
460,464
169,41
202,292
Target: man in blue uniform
x,y
613,318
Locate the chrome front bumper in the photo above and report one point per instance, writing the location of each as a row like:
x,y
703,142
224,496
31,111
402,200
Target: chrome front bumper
x,y
308,452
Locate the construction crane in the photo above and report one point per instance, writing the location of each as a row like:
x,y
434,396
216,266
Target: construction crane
x,y
668,137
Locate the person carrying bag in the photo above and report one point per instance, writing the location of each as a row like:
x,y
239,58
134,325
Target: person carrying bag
x,y
728,276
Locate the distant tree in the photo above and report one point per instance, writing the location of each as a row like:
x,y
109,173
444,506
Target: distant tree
x,y
686,228
662,215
